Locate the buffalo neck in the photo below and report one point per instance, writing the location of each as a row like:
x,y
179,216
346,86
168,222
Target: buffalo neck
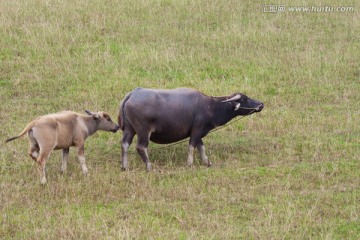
x,y
223,112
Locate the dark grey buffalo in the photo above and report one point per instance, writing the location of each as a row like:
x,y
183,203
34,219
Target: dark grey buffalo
x,y
167,116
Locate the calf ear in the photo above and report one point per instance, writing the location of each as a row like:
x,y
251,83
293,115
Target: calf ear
x,y
96,116
88,112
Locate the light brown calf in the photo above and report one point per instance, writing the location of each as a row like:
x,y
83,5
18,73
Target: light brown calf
x,y
61,131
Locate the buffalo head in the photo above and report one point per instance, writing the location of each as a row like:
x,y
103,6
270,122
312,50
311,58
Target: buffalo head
x,y
243,104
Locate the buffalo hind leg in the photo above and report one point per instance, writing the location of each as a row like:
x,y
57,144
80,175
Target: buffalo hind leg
x,y
141,147
65,157
125,143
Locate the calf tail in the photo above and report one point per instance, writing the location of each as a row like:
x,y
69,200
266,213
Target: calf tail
x,y
122,115
26,129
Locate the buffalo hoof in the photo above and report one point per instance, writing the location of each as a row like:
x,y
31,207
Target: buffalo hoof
x,y
148,167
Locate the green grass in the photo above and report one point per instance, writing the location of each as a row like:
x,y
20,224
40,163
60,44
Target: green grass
x,y
289,172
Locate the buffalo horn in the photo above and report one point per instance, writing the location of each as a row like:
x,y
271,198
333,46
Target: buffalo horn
x,y
236,97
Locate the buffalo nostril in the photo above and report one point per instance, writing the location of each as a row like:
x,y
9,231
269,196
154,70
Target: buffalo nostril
x,y
260,107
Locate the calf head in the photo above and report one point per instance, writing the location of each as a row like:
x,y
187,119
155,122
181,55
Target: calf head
x,y
244,105
104,121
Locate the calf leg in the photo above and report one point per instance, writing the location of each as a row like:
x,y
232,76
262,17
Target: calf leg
x,y
125,143
43,156
141,147
81,157
65,156
34,152
34,146
44,137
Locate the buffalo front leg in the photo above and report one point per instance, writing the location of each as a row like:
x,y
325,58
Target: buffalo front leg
x,y
204,158
82,158
190,158
65,157
195,140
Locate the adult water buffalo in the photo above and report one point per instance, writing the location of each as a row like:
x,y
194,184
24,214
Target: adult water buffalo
x,y
167,116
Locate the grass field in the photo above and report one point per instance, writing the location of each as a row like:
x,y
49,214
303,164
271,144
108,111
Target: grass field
x,y
289,172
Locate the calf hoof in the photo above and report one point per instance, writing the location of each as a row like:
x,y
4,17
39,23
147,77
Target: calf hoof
x,y
124,169
84,169
43,181
209,164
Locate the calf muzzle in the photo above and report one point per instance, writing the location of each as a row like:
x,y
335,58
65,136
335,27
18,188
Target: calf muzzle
x,y
115,129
